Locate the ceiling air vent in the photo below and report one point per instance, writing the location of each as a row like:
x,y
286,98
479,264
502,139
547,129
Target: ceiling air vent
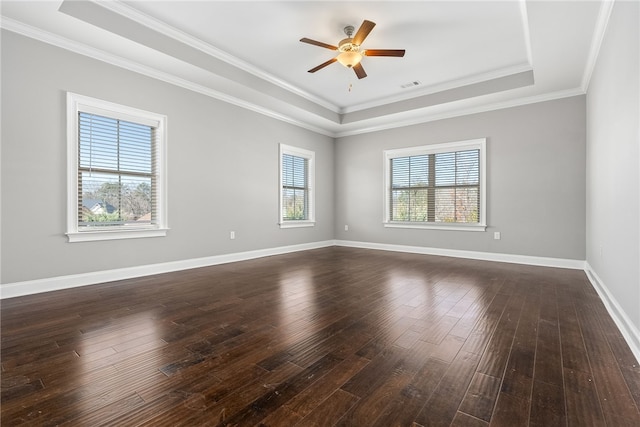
x,y
411,84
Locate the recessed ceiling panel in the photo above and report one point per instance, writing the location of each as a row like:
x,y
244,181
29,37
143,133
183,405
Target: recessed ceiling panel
x,y
467,56
444,41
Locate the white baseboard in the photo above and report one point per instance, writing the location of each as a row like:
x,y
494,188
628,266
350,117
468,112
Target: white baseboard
x,y
455,253
29,287
627,328
10,290
629,331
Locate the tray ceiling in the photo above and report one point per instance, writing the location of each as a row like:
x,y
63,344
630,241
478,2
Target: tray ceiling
x,y
461,56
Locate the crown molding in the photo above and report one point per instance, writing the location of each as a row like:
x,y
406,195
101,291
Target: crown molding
x,y
596,42
451,84
100,55
135,15
425,118
331,130
525,28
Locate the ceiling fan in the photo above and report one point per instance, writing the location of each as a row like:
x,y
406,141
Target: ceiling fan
x,y
350,54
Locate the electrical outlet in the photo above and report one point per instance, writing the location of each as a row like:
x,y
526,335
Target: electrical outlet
x,y
232,235
346,228
496,235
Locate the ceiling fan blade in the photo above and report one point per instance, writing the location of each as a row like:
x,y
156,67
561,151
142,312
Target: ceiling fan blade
x,y
384,52
359,71
324,64
317,43
363,32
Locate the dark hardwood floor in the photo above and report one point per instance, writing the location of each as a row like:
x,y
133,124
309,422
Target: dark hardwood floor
x,y
328,337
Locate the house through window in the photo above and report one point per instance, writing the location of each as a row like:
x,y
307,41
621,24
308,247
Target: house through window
x,y
116,158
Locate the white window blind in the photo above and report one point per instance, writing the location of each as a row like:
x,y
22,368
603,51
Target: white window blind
x,y
297,175
436,185
295,188
116,173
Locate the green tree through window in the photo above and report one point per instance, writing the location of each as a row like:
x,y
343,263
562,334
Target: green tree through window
x,y
115,173
438,184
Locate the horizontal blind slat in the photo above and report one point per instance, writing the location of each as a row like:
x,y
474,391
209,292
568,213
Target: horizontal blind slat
x,y
452,197
117,182
295,189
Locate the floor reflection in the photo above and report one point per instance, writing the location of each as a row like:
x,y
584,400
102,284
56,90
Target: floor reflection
x,y
106,371
297,302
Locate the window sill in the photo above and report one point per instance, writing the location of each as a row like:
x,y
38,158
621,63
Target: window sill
x,y
297,224
437,226
90,236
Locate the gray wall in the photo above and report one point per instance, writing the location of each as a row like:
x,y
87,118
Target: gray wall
x,y
535,181
613,161
223,173
222,168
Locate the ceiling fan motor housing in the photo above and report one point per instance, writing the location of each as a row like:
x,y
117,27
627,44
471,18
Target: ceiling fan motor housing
x,y
348,30
347,45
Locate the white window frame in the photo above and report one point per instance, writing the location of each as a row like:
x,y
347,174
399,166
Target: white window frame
x,y
80,103
447,147
311,159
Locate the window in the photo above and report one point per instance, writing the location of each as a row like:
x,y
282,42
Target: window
x,y
116,173
436,186
296,187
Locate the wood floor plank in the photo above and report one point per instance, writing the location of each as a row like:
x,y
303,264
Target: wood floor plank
x,y
581,400
609,381
483,329
404,407
306,401
481,396
331,409
282,417
246,398
547,405
548,364
282,393
374,373
510,411
388,384
519,371
442,406
498,349
465,420
331,336
574,354
448,349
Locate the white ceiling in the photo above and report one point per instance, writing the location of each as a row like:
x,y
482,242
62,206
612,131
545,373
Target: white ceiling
x,y
468,56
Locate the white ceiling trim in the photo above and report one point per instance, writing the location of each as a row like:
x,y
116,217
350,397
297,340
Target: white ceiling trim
x,y
451,84
465,112
302,119
64,43
141,18
91,52
525,28
598,36
127,11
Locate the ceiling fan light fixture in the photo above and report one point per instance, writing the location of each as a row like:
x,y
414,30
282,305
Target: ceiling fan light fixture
x,y
350,58
350,54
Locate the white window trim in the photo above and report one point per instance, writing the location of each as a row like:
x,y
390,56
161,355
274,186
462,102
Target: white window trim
x,y
480,143
311,158
76,103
